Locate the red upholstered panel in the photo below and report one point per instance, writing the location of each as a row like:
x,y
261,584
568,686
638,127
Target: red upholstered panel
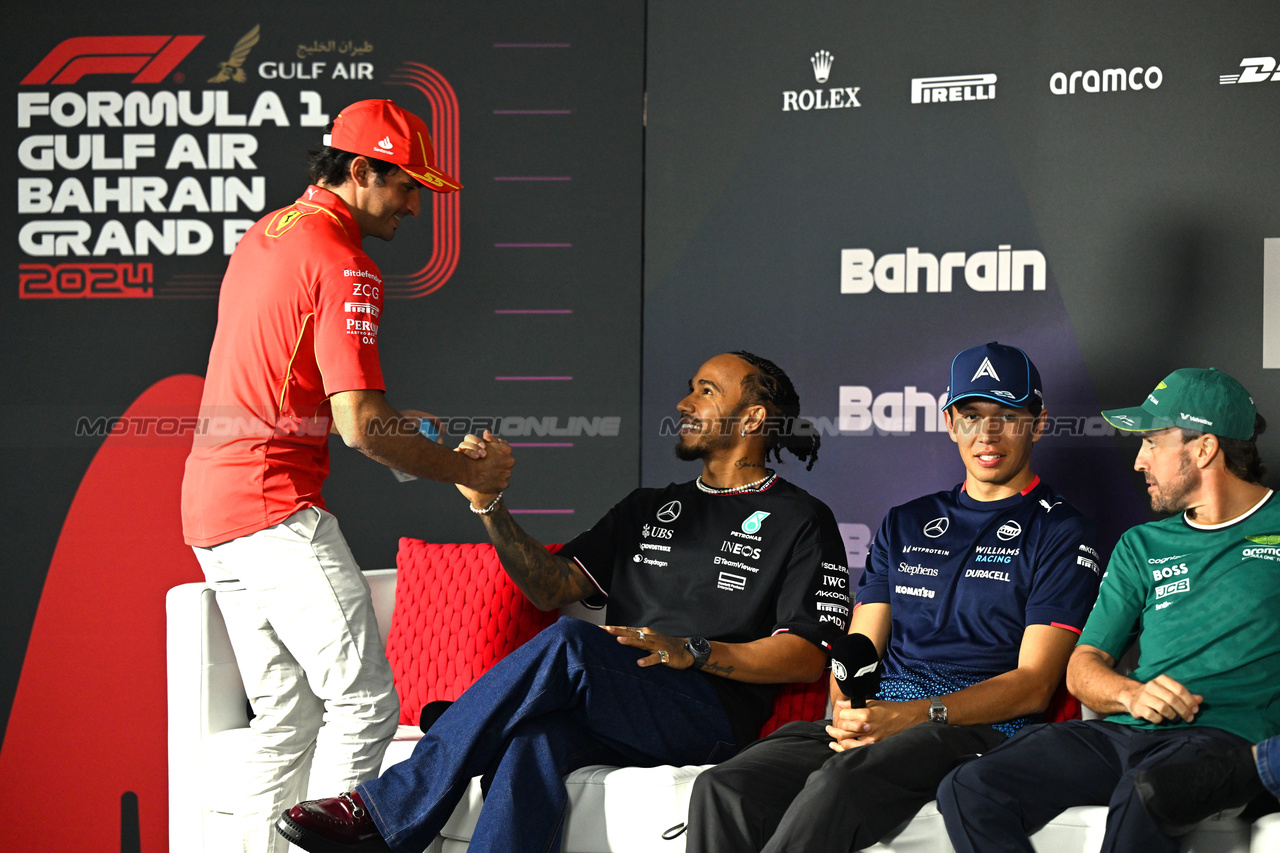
x,y
1063,706
457,614
797,702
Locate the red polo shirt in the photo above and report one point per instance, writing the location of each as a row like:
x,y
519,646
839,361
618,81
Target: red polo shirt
x,y
298,319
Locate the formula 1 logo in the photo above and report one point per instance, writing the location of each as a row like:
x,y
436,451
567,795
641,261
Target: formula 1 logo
x,y
149,58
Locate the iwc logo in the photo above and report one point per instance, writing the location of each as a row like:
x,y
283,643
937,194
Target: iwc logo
x,y
937,527
753,522
669,512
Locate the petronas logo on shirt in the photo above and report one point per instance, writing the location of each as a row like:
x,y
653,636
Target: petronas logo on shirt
x,y
1273,539
753,522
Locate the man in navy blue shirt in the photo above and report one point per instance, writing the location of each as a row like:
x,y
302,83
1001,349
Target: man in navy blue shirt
x,y
973,598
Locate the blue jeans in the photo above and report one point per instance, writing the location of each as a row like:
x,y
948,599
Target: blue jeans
x,y
570,697
1269,764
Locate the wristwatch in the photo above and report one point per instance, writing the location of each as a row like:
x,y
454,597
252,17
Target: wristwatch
x,y
937,711
700,649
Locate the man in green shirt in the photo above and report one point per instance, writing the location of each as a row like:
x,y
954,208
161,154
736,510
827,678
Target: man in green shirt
x,y
1203,587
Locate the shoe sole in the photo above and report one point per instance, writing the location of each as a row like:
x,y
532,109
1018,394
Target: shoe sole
x,y
312,843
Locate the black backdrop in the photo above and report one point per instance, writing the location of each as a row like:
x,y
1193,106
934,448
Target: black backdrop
x,y
723,224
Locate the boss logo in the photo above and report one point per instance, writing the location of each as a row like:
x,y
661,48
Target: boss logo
x,y
1169,571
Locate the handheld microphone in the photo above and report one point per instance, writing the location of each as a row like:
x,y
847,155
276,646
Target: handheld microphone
x,y
855,665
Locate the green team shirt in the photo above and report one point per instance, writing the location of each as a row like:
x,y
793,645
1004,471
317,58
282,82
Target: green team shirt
x,y
1206,600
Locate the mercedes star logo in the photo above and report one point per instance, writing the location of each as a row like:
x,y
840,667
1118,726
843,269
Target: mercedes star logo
x,y
669,512
937,527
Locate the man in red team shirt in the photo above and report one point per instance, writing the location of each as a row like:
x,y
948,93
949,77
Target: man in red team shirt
x,y
295,356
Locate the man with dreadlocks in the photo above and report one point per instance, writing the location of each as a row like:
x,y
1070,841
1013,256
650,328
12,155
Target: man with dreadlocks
x,y
973,598
718,590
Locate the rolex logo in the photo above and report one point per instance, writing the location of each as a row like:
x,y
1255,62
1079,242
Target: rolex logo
x,y
821,65
803,100
384,143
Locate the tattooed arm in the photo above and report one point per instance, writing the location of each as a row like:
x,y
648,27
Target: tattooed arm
x,y
548,580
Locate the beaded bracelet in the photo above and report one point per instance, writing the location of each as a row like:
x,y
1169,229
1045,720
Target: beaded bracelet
x,y
490,508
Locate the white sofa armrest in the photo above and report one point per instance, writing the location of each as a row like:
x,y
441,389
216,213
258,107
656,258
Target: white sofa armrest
x,y
206,695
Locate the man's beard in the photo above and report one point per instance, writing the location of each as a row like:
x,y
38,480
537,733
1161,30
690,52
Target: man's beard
x,y
707,444
1171,497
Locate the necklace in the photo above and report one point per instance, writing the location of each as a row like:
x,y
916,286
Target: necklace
x,y
759,485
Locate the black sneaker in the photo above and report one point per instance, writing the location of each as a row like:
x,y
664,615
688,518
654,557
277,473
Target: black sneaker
x,y
1179,796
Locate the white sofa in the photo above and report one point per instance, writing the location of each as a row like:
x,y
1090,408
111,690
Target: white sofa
x,y
208,724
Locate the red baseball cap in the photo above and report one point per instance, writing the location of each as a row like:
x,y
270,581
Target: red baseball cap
x,y
378,128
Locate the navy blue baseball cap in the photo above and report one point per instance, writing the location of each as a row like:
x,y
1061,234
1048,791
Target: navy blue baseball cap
x,y
995,372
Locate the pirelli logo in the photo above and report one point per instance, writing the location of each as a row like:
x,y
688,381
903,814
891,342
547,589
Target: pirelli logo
x,y
150,59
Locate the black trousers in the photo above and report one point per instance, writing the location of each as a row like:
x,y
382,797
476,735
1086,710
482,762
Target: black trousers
x,y
790,792
996,803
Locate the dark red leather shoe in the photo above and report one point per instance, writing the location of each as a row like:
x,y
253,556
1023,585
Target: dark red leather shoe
x,y
335,825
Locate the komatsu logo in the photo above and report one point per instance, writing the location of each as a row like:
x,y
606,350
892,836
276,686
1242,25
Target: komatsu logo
x,y
913,271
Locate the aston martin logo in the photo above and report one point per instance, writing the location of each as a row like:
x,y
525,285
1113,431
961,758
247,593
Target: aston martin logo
x,y
231,69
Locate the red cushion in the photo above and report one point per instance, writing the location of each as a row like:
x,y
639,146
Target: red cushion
x,y
456,614
798,701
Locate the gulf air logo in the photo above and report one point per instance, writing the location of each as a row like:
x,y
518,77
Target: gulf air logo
x,y
149,58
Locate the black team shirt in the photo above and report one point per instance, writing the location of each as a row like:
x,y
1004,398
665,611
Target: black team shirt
x,y
728,567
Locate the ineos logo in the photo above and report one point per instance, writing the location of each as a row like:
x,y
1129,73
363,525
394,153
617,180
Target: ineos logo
x,y
937,527
1009,530
669,512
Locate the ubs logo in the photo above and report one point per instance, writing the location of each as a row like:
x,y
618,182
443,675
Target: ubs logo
x,y
937,527
669,512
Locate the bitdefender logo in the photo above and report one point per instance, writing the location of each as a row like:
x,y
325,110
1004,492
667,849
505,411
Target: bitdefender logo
x,y
962,87
833,98
1257,69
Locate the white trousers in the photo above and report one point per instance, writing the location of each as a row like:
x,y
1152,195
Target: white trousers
x,y
302,625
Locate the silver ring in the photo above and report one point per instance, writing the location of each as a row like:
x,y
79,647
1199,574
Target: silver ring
x,y
664,656
640,634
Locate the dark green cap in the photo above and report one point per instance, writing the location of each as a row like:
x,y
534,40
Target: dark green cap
x,y
1194,398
